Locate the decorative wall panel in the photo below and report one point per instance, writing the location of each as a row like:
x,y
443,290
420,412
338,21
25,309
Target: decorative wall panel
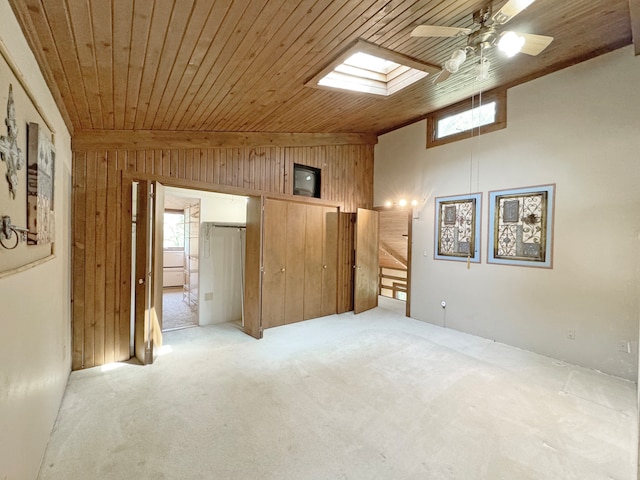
x,y
16,252
457,227
41,170
520,226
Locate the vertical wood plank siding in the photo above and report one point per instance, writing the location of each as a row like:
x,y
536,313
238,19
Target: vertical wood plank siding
x,y
102,222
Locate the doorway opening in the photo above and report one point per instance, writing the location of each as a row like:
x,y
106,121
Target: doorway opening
x,y
211,258
185,279
395,259
180,266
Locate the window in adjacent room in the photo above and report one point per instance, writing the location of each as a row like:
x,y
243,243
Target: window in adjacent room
x,y
173,238
473,116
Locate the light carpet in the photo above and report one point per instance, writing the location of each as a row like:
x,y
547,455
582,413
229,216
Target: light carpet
x,y
176,313
372,396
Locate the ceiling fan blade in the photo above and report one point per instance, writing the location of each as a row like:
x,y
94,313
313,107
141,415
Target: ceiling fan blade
x,y
534,44
441,77
510,10
437,31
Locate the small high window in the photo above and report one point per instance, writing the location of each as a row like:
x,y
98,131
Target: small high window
x,y
465,121
473,116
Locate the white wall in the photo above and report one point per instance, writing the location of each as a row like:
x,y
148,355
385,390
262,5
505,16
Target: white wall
x,y
580,129
35,339
221,271
219,209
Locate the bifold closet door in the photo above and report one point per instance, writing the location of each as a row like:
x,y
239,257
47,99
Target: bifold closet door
x,y
252,275
321,259
274,258
300,255
294,262
313,262
330,261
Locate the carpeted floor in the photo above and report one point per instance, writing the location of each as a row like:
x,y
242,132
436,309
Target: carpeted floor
x,y
176,313
374,396
392,304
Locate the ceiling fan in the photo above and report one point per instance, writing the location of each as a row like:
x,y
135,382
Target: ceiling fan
x,y
484,34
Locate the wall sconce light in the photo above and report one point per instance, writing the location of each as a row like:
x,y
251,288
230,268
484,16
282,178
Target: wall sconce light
x,y
415,205
400,203
7,230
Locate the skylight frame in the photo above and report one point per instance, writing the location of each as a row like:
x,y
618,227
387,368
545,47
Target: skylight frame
x,y
371,82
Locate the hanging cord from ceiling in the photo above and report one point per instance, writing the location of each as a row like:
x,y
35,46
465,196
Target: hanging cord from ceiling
x,y
474,139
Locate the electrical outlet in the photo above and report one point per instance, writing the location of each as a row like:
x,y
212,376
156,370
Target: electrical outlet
x,y
208,296
571,334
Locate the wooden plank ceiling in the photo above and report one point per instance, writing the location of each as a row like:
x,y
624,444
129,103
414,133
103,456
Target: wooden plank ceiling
x,y
240,66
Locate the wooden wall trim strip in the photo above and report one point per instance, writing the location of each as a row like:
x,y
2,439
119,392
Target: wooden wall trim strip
x,y
129,176
87,140
28,266
634,10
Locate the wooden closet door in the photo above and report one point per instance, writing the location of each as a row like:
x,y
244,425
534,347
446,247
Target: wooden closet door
x,y
252,274
366,271
148,268
274,261
329,261
295,262
346,261
313,262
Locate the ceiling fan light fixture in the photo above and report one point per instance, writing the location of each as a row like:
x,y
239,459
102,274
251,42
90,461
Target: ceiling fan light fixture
x,y
457,58
482,69
510,43
451,66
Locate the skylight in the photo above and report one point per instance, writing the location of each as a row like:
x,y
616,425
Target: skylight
x,y
371,69
371,62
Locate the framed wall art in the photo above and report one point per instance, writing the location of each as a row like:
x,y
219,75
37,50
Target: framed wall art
x,y
41,169
521,226
27,172
457,228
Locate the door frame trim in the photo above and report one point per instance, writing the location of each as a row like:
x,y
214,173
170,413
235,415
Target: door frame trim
x,y
127,180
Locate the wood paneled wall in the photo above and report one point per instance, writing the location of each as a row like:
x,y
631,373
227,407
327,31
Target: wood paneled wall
x,y
102,217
